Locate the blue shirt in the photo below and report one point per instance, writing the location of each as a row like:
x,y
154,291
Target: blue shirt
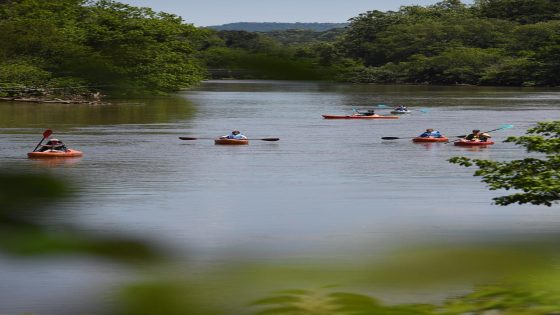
x,y
435,134
237,136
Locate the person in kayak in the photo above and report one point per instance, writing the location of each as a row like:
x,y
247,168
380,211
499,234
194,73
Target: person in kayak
x,y
53,144
401,108
431,133
369,112
236,134
476,135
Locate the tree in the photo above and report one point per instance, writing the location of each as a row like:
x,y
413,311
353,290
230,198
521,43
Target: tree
x,y
99,43
360,39
522,11
537,179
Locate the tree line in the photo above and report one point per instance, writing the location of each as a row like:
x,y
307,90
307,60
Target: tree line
x,y
114,47
276,26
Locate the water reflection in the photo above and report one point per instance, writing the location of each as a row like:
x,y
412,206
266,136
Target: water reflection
x,y
53,162
146,111
326,191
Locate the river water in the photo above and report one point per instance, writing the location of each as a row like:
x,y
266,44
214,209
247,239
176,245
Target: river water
x,y
327,189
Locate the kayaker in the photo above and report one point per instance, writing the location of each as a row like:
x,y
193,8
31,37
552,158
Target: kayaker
x,y
236,134
401,108
476,135
53,144
431,133
370,112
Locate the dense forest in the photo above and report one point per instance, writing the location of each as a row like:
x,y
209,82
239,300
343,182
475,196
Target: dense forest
x,y
492,42
52,47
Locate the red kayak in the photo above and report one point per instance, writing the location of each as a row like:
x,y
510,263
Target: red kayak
x,y
231,141
430,139
55,154
473,143
359,117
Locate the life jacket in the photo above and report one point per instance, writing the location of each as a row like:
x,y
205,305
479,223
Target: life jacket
x,y
480,136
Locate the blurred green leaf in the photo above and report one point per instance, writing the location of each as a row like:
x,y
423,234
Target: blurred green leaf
x,y
279,299
28,198
283,310
295,292
25,191
160,297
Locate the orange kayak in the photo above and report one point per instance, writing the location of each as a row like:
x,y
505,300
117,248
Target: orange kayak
x,y
231,141
430,139
55,154
359,117
469,143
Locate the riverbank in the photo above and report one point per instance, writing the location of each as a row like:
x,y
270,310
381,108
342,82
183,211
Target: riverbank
x,y
56,100
57,96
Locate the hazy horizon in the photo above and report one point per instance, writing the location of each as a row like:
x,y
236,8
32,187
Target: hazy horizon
x,y
218,12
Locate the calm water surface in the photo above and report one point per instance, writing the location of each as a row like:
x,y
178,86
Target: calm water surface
x,y
326,189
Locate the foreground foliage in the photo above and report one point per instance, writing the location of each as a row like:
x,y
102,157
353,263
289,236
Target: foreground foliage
x,y
538,179
495,299
26,202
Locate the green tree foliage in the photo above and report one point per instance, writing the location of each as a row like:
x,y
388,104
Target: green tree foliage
x,y
536,179
446,43
102,43
360,39
456,65
252,42
153,51
23,72
275,26
522,11
304,37
511,72
259,56
492,42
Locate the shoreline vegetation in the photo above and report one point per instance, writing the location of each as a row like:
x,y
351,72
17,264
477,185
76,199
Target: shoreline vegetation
x,y
130,51
59,95
54,100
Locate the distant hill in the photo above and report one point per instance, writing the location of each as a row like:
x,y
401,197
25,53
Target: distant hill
x,y
274,26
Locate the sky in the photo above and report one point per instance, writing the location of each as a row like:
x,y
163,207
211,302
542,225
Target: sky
x,y
217,12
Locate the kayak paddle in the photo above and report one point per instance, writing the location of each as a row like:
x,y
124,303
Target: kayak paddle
x,y
395,138
502,127
378,106
46,134
422,110
263,139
